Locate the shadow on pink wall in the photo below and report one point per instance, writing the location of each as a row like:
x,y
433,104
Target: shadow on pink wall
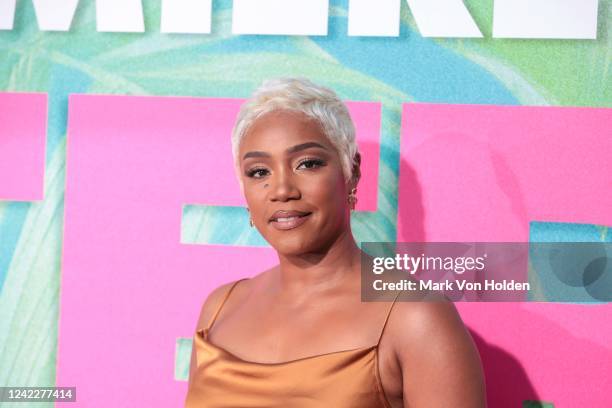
x,y
482,173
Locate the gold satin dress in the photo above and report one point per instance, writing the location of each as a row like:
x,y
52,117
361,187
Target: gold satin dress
x,y
340,379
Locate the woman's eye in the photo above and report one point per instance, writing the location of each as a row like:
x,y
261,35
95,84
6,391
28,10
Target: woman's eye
x,y
257,173
311,163
260,172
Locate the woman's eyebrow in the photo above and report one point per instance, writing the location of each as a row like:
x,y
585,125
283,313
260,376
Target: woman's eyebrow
x,y
291,149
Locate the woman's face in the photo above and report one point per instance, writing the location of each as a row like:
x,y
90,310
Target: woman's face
x,y
288,164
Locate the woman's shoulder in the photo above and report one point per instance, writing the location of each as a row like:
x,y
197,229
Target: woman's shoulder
x,y
212,302
215,298
417,320
430,336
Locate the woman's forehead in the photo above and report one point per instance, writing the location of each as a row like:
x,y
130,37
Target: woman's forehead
x,y
279,129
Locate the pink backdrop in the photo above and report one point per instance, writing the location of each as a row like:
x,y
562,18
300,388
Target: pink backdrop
x,y
482,173
129,289
23,127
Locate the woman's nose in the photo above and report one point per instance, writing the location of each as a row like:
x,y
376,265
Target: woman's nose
x,y
283,187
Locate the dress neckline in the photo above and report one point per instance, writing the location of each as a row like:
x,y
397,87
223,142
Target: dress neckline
x,y
201,337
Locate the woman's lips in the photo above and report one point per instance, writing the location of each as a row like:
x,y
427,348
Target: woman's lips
x,y
287,223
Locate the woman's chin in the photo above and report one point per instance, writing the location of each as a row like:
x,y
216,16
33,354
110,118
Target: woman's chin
x,y
292,247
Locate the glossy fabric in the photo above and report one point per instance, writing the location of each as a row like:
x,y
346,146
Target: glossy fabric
x,y
341,379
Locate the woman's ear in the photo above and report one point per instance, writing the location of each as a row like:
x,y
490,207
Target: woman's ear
x,y
356,170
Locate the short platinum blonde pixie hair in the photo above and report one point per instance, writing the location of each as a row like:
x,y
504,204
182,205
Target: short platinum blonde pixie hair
x,y
300,95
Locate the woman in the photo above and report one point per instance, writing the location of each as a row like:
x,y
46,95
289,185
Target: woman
x,y
298,335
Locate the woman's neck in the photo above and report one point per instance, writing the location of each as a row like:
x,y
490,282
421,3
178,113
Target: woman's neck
x,y
316,272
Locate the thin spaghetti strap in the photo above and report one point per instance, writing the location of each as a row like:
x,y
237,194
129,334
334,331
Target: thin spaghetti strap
x,y
214,317
387,318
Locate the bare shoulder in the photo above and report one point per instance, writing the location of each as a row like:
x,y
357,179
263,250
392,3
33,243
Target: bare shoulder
x,y
214,299
412,319
212,302
429,338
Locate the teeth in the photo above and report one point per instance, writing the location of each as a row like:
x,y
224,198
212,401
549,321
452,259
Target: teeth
x,y
286,219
